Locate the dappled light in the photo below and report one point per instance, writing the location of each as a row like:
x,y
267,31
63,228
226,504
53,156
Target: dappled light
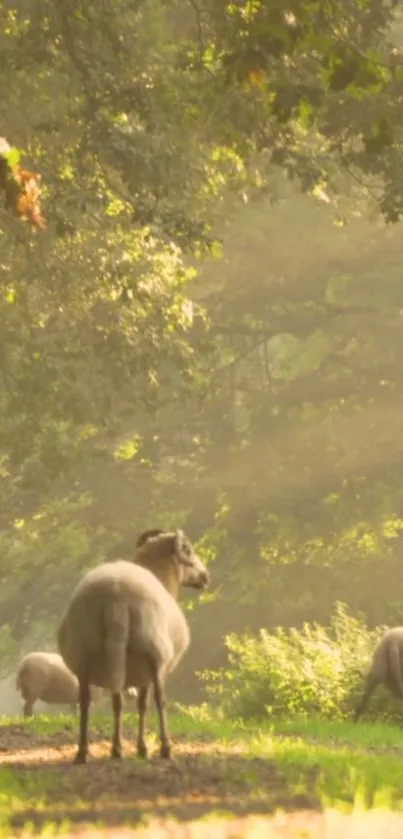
x,y
201,309
219,777
204,776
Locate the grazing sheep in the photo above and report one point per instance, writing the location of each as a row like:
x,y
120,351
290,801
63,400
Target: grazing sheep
x,y
45,676
386,668
124,628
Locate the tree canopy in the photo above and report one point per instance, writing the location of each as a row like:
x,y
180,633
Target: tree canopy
x,y
189,340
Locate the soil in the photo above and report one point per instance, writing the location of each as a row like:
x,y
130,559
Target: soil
x,y
202,777
240,795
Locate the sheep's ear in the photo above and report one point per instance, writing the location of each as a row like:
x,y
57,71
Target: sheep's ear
x,y
183,550
179,542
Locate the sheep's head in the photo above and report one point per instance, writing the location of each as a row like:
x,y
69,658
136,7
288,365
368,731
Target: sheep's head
x,y
192,572
163,552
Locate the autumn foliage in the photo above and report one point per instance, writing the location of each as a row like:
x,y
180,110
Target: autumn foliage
x,y
21,187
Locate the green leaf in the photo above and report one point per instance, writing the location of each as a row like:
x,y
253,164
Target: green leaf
x,y
13,156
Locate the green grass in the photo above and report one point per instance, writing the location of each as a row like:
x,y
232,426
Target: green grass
x,y
223,766
355,764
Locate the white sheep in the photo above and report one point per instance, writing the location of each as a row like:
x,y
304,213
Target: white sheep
x,y
43,675
123,628
386,668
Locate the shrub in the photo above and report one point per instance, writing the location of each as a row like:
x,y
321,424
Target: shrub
x,y
311,671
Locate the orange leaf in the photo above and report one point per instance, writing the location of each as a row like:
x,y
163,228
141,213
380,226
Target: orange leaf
x,y
255,76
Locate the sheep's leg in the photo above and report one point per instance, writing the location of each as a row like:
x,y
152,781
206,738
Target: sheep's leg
x,y
28,708
142,705
117,705
369,689
160,701
84,700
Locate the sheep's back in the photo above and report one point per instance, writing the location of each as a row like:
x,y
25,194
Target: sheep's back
x,y
380,665
45,676
393,634
158,629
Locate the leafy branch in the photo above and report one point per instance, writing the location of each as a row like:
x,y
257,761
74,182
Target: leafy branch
x,y
21,186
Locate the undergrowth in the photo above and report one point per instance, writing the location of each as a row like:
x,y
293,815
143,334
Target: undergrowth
x,y
300,673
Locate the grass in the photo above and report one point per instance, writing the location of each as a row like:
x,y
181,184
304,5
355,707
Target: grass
x,y
220,767
353,763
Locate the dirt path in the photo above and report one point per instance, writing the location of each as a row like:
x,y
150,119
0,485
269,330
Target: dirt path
x,y
160,800
203,777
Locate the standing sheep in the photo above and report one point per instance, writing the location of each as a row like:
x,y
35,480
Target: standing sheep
x,y
123,628
385,668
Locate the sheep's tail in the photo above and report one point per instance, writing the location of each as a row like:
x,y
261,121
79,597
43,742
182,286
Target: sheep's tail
x,y
395,666
116,634
18,681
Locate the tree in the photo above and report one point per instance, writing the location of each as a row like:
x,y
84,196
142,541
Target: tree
x,y
120,401
315,88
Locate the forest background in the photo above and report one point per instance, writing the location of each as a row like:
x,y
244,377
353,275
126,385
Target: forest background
x,y
209,332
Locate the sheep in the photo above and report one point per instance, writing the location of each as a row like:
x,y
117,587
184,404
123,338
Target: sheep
x,y
124,628
141,540
148,534
43,675
385,668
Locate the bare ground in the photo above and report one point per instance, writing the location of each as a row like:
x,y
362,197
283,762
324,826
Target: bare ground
x,y
160,800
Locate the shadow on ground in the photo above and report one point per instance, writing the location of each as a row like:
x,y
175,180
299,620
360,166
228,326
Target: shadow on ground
x,y
203,777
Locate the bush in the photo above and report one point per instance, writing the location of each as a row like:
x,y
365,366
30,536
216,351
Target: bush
x,y
306,672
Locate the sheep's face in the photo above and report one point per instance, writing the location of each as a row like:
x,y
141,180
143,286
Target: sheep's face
x,y
192,571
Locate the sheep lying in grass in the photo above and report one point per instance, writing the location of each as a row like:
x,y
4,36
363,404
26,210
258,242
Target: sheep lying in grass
x,y
43,675
385,668
124,628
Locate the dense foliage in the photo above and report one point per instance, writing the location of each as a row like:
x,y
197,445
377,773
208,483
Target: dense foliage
x,y
256,402
301,673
